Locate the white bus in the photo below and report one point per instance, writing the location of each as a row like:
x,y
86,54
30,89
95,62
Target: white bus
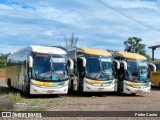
x,y
133,75
93,70
38,70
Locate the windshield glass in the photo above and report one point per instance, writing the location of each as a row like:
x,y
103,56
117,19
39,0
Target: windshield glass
x,y
137,70
107,71
49,67
99,67
93,64
143,70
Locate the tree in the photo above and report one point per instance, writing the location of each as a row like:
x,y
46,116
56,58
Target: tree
x,y
72,42
3,59
133,45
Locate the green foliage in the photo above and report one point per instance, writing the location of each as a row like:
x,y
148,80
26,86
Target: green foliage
x,y
3,59
15,97
133,45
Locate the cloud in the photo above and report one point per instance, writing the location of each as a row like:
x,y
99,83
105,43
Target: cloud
x,y
49,33
50,22
10,48
5,7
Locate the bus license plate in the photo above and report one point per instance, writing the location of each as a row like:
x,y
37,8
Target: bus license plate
x,y
100,89
50,91
139,91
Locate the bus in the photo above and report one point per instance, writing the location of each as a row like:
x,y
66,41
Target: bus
x,y
92,71
39,70
155,76
133,75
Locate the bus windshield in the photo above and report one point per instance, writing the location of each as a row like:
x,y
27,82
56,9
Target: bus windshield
x,y
137,70
99,67
49,67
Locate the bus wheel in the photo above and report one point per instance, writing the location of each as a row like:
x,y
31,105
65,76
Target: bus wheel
x,y
24,89
61,95
9,82
25,93
71,88
80,86
133,94
120,87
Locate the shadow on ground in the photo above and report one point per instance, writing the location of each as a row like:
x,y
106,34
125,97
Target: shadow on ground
x,y
6,91
100,94
155,88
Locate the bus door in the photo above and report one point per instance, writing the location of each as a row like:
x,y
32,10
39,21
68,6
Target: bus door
x,y
81,72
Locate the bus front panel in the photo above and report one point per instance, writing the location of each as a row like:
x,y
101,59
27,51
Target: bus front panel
x,y
132,87
38,87
99,86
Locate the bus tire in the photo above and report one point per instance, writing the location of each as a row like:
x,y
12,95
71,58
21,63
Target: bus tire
x,y
120,87
133,94
9,82
71,89
80,86
25,89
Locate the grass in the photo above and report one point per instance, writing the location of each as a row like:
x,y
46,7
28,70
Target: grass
x,y
35,103
38,104
32,103
15,97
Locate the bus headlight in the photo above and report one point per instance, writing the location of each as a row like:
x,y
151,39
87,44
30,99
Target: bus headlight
x,y
128,84
87,82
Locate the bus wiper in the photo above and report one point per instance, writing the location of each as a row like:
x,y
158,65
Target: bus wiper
x,y
97,76
45,76
58,78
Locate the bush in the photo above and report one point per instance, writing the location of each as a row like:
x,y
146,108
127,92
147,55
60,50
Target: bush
x,y
3,60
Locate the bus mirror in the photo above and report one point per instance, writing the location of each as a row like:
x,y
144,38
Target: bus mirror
x,y
84,61
154,67
125,64
30,61
70,63
118,64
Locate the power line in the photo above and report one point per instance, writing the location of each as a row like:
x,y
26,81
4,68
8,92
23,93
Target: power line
x,y
118,11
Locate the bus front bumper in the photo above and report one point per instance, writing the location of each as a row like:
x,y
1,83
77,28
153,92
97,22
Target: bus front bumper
x,y
135,89
88,87
36,89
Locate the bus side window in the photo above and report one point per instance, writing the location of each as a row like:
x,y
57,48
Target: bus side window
x,y
9,62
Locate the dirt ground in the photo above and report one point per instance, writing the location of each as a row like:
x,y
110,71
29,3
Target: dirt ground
x,y
102,102
2,74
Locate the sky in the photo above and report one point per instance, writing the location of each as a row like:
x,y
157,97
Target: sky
x,y
50,22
